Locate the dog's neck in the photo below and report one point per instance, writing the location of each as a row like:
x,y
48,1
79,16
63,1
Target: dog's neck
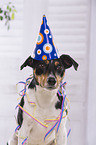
x,y
45,97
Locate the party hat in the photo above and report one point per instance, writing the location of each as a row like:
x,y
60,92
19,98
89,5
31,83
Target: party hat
x,y
45,49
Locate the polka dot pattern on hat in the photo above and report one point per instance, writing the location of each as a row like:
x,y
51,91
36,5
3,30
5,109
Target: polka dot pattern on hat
x,y
45,48
40,38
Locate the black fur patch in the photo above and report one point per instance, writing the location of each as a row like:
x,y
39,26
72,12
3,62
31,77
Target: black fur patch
x,y
20,113
58,104
32,85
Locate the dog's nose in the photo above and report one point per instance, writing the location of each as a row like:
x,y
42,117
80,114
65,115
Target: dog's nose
x,y
51,81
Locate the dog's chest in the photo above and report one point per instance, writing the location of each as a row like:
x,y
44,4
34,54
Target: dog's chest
x,y
42,105
39,113
36,130
42,114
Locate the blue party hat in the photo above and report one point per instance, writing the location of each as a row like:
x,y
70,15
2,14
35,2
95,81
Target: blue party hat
x,y
45,49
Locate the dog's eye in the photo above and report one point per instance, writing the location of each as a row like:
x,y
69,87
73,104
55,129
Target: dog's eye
x,y
40,69
59,67
42,66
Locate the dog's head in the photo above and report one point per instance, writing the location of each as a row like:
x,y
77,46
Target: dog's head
x,y
49,73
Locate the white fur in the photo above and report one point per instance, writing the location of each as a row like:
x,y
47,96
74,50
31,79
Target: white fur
x,y
45,109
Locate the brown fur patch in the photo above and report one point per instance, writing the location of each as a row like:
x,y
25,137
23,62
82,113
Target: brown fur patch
x,y
41,79
56,63
47,61
34,70
59,79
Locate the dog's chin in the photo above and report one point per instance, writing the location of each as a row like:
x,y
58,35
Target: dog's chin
x,y
49,87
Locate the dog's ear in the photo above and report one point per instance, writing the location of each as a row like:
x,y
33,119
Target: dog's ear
x,y
28,62
68,62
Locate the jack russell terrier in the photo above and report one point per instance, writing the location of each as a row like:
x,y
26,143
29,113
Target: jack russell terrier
x,y
47,76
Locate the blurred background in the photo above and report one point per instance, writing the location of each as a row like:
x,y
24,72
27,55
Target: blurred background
x,y
73,25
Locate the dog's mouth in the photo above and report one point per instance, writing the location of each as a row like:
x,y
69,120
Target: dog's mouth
x,y
50,87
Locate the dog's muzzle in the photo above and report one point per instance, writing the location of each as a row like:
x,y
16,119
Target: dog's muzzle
x,y
51,81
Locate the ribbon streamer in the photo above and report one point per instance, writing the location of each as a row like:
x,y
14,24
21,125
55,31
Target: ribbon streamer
x,y
68,132
63,94
17,128
50,130
32,117
24,141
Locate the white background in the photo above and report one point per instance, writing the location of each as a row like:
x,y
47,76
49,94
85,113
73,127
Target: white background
x,y
73,25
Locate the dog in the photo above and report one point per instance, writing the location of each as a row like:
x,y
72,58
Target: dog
x,y
47,76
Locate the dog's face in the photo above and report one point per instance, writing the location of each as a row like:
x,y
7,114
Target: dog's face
x,y
48,74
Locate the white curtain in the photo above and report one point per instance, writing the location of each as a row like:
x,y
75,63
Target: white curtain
x,y
91,120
